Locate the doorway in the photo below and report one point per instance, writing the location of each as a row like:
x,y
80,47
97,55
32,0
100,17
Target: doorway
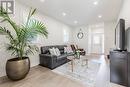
x,y
96,39
97,43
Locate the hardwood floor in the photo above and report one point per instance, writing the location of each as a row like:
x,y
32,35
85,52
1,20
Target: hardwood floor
x,y
43,77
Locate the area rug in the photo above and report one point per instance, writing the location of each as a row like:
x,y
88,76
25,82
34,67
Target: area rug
x,y
85,73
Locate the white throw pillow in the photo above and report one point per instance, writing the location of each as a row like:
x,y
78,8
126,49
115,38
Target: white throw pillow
x,y
65,49
54,50
51,51
57,52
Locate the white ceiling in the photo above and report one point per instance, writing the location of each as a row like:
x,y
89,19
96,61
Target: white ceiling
x,y
83,11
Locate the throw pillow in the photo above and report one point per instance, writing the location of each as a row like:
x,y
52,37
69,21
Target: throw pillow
x,y
67,49
57,52
52,51
70,49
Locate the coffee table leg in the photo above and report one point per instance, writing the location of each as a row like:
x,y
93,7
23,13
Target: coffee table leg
x,y
87,63
72,66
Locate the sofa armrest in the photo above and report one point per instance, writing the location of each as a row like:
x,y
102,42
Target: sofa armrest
x,y
48,60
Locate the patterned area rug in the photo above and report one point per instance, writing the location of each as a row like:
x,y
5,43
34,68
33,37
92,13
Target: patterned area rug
x,y
85,73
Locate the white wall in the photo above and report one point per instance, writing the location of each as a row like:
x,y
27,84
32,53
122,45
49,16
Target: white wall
x,y
109,36
54,27
82,43
125,12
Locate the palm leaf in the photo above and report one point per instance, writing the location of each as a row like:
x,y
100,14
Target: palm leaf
x,y
13,49
3,12
37,27
31,49
3,20
6,32
33,12
19,43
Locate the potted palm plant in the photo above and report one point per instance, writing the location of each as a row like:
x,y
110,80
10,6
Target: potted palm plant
x,y
20,43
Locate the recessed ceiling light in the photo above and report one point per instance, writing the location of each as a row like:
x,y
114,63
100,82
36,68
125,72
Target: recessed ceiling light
x,y
63,14
95,3
75,22
99,16
42,0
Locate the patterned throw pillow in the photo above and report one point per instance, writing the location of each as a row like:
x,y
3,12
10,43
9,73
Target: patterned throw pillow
x,y
57,52
67,49
54,51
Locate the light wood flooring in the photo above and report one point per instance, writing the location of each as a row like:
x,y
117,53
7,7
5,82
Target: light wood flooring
x,y
43,77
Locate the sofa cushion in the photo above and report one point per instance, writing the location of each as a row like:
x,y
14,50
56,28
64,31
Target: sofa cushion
x,y
61,47
45,49
62,51
62,56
